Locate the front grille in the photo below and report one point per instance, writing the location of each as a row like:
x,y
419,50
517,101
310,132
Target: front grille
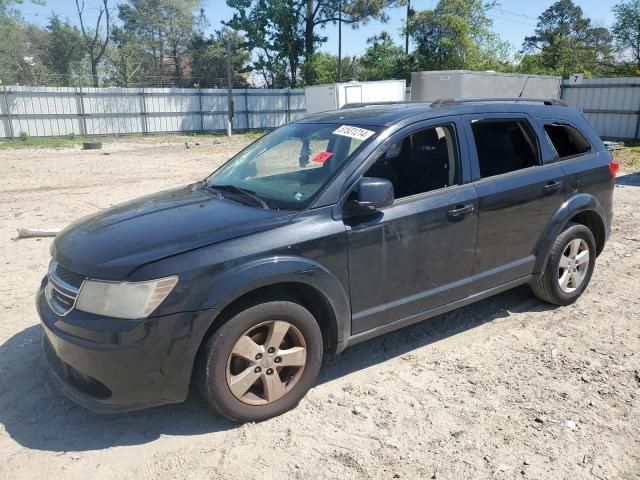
x,y
62,289
72,278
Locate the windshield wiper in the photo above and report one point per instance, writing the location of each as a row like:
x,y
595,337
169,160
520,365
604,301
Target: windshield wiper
x,y
242,191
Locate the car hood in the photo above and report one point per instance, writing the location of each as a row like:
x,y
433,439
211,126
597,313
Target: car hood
x,y
113,242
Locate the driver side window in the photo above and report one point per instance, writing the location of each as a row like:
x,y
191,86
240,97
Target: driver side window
x,y
423,161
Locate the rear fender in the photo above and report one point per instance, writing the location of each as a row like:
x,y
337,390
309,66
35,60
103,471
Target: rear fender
x,y
576,204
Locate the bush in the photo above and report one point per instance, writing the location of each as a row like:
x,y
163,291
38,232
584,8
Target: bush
x,y
72,136
24,136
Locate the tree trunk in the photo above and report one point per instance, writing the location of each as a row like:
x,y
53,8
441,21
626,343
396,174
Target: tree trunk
x,y
176,59
94,72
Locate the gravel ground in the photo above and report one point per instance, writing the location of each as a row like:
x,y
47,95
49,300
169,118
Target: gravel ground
x,y
506,388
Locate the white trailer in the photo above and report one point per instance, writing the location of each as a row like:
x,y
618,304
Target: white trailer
x,y
435,85
324,98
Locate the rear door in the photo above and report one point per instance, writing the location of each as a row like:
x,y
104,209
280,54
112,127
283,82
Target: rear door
x,y
518,194
418,253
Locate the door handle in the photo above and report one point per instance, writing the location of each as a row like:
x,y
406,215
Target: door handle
x,y
551,187
459,211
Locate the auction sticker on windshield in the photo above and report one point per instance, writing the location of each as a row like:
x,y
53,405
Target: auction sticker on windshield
x,y
353,132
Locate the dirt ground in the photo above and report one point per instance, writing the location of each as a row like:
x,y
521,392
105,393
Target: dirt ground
x,y
507,388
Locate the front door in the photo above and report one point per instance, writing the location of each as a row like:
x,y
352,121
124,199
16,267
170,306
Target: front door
x,y
417,254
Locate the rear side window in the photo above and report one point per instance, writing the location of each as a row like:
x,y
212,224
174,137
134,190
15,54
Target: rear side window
x,y
567,140
504,146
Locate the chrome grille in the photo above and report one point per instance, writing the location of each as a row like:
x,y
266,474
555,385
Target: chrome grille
x,y
62,288
71,278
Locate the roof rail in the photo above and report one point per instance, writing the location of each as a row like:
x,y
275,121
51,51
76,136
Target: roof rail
x,y
457,101
372,104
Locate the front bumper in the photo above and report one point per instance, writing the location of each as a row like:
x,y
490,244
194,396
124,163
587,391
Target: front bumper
x,y
110,365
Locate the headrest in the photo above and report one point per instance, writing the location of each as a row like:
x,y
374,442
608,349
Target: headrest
x,y
425,139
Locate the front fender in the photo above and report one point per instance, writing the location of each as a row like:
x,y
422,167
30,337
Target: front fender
x,y
233,283
579,203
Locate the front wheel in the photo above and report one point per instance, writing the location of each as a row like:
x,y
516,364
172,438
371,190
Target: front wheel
x,y
569,267
261,362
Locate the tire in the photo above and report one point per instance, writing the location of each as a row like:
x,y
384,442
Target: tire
x,y
92,145
549,286
219,365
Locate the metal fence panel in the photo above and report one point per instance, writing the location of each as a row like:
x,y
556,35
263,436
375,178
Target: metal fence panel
x,y
61,111
611,105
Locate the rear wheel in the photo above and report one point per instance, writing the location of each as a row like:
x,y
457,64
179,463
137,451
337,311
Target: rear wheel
x,y
569,267
261,362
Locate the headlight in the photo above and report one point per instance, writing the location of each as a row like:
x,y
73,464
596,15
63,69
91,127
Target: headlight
x,y
124,299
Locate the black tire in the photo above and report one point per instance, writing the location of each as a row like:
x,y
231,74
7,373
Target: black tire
x,y
211,368
92,145
547,286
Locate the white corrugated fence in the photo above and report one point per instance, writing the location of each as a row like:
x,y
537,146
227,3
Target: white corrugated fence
x,y
612,105
62,111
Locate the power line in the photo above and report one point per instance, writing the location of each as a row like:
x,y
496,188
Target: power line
x,y
515,14
513,20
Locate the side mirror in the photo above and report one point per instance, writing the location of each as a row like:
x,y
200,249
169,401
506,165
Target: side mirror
x,y
373,193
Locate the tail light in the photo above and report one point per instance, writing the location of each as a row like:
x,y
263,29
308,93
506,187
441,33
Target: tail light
x,y
614,166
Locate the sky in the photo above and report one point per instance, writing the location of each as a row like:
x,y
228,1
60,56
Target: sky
x,y
513,19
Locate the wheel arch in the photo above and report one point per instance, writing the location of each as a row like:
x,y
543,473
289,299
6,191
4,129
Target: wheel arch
x,y
284,278
583,209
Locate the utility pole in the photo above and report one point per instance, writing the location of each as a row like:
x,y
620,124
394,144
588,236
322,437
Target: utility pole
x,y
229,90
406,33
340,41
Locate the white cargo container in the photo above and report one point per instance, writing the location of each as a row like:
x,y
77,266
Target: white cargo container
x,y
323,98
434,85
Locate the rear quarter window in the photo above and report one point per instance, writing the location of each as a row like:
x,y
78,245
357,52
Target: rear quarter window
x,y
567,141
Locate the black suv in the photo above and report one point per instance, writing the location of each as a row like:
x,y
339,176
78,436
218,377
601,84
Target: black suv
x,y
321,234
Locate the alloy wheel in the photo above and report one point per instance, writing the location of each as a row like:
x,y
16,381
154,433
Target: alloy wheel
x,y
574,265
266,362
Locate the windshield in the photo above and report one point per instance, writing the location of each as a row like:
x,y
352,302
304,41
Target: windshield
x,y
289,166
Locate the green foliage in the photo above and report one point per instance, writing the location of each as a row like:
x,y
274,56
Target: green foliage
x,y
457,34
325,68
126,59
162,29
24,136
21,52
273,30
6,4
626,32
209,59
284,33
64,51
384,60
565,42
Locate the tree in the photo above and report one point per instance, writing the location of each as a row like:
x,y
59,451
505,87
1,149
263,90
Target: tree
x,y
96,40
5,4
457,34
286,30
64,50
353,12
126,59
164,28
325,68
273,29
209,60
566,42
626,31
384,60
21,52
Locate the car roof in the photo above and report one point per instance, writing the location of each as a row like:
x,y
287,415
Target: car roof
x,y
384,115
